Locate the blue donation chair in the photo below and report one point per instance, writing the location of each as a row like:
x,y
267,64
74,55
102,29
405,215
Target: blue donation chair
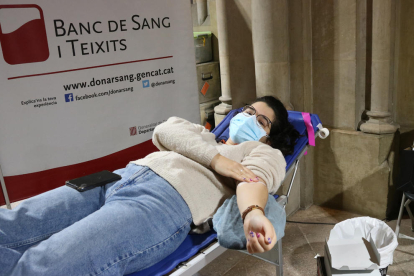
x,y
198,250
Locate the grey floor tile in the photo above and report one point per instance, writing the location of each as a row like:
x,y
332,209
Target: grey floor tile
x,y
405,251
314,214
294,241
252,266
222,264
316,235
299,264
395,270
321,214
403,255
405,222
407,267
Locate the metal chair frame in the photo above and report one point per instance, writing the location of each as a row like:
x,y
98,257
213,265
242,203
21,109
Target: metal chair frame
x,y
404,203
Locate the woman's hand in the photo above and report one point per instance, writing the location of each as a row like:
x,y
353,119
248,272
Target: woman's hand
x,y
227,167
259,232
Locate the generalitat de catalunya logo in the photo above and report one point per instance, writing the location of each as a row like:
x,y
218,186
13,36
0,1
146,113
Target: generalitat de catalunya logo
x,y
23,34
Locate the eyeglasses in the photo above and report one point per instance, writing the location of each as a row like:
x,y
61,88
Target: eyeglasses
x,y
261,120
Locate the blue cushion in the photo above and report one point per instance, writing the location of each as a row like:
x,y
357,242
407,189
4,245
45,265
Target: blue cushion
x,y
191,245
295,118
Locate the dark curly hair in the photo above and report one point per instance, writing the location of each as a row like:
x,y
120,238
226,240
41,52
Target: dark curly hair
x,y
282,134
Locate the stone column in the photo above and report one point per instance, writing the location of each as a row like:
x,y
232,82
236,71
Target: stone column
x,y
271,48
222,109
201,11
379,116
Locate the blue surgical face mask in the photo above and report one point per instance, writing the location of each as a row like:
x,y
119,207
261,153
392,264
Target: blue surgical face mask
x,y
244,128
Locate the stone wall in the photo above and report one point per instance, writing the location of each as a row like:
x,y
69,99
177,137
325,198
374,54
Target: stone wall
x,y
209,25
335,73
352,172
404,64
334,62
242,80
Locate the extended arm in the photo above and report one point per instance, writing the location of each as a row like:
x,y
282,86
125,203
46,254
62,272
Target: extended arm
x,y
251,194
269,164
259,231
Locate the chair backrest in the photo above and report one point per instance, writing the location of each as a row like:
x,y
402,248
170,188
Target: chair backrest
x,y
295,118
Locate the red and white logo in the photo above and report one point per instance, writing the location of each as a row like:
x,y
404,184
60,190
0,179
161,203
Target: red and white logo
x,y
132,131
23,34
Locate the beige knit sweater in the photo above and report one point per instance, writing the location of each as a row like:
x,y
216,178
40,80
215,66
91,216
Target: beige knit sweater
x,y
186,151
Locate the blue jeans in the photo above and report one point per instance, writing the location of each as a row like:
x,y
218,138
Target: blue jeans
x,y
116,229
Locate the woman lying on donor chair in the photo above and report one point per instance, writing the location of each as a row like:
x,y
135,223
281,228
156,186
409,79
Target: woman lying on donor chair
x,y
131,224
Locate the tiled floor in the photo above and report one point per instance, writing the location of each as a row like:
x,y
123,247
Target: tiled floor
x,y
300,245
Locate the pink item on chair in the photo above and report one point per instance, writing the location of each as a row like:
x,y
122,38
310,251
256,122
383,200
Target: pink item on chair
x,y
309,128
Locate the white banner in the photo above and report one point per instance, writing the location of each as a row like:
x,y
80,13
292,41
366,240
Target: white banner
x,y
84,79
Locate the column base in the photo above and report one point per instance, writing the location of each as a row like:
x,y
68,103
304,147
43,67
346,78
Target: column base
x,y
378,114
376,126
361,185
225,99
220,111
